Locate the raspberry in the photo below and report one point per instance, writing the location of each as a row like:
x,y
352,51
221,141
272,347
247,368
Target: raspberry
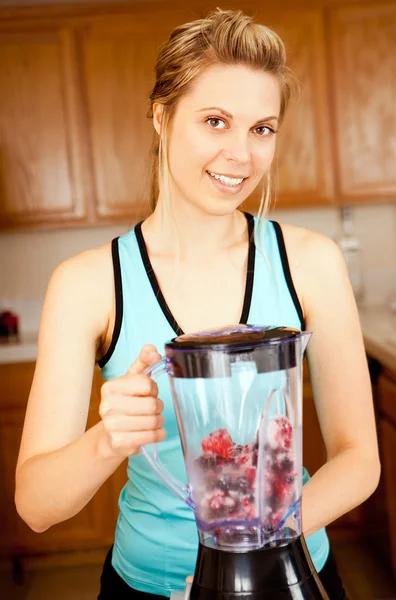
x,y
217,501
282,489
250,474
245,455
218,442
280,434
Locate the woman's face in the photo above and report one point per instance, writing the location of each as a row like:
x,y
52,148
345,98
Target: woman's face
x,y
222,137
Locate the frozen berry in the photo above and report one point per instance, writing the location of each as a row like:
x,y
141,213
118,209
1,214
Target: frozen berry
x,y
216,501
230,504
287,465
251,473
224,482
242,459
242,484
280,433
281,490
218,442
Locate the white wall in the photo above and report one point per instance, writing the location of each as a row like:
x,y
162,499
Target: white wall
x,y
28,258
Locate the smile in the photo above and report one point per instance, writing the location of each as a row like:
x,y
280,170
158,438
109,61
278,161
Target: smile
x,y
229,181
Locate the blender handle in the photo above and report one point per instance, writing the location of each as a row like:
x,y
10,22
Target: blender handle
x,y
176,486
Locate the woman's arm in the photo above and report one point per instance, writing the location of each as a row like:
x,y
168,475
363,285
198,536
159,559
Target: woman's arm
x,y
59,467
341,387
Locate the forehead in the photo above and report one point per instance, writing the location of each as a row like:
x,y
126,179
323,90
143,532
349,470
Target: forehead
x,y
236,88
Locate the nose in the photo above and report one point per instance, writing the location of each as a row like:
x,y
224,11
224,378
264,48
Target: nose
x,y
237,148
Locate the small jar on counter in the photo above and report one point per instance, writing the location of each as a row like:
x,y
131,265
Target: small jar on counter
x,y
9,327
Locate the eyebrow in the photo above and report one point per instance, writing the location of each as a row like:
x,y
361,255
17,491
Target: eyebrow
x,y
229,115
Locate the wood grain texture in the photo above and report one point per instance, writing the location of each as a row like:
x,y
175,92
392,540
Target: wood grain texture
x,y
363,51
91,528
41,155
119,58
388,435
304,146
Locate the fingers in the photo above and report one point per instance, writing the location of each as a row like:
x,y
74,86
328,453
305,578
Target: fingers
x,y
134,423
128,443
130,408
147,357
130,405
129,385
190,579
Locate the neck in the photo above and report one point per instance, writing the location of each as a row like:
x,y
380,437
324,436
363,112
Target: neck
x,y
192,233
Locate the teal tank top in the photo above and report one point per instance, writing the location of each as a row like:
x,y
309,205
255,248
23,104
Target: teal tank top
x,y
156,538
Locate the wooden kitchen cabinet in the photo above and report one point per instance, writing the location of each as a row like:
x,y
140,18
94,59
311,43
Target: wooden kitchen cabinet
x,y
363,60
348,526
303,164
93,528
387,407
43,162
119,57
74,88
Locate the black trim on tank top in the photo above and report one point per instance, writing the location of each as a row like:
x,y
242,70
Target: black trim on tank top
x,y
287,273
250,270
154,281
119,308
157,290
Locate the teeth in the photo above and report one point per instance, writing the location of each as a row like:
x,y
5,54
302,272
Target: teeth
x,y
227,180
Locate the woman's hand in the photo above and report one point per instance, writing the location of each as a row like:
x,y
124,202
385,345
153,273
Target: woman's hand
x,y
190,579
130,409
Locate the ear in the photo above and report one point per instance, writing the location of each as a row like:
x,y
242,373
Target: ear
x,y
157,116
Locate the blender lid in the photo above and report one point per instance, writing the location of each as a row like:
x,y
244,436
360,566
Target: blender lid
x,y
234,335
213,353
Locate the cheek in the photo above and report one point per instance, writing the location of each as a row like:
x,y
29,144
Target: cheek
x,y
191,149
264,155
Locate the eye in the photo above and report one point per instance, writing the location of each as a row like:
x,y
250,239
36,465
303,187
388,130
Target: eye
x,y
214,123
264,130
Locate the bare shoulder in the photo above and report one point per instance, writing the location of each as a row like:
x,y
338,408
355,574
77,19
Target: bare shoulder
x,y
316,262
310,247
95,263
84,284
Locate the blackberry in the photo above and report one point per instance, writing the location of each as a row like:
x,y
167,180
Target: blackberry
x,y
287,465
242,484
224,483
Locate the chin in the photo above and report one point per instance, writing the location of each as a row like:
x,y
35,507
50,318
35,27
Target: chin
x,y
219,208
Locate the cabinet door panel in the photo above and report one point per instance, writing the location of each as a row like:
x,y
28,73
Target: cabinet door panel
x,y
314,457
120,55
303,162
388,436
363,48
387,397
91,528
41,154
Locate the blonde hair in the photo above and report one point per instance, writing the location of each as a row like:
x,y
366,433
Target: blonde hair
x,y
223,37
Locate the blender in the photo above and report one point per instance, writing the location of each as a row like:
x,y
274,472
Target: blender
x,y
237,394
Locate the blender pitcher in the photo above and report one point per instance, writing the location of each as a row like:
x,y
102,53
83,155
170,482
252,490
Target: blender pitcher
x,y
237,394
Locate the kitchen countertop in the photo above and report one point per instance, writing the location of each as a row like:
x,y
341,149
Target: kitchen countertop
x,y
379,332
23,351
378,326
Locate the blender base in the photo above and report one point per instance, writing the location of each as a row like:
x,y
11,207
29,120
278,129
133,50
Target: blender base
x,y
277,573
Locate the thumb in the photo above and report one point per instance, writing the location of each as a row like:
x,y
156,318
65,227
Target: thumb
x,y
189,579
148,356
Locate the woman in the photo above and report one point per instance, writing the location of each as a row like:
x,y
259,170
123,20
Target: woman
x,y
220,96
